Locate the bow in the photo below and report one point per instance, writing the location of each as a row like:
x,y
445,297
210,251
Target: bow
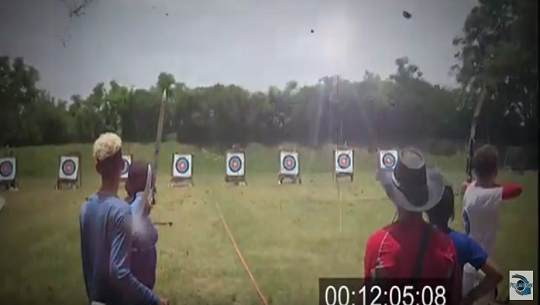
x,y
158,139
472,137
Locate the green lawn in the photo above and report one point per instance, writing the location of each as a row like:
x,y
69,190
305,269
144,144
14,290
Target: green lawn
x,y
290,235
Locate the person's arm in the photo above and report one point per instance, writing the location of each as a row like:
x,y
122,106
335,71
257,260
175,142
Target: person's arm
x,y
479,259
120,260
371,250
455,281
464,187
375,261
153,233
147,235
511,191
84,256
487,285
376,258
368,260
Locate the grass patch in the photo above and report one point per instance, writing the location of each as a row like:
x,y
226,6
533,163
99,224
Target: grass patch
x,y
289,235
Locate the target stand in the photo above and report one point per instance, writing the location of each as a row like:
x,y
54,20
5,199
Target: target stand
x,y
181,170
8,173
289,167
343,163
235,172
127,159
69,171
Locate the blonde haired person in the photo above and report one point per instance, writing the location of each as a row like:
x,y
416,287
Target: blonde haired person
x,y
106,235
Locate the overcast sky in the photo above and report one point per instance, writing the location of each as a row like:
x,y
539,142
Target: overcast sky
x,y
254,43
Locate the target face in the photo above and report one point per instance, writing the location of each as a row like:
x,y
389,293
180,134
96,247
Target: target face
x,y
181,165
235,164
125,167
7,169
69,167
344,161
388,159
289,163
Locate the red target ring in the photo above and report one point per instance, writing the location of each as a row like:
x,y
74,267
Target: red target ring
x,y
6,169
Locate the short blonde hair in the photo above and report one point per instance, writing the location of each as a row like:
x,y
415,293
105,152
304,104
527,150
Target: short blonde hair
x,y
107,145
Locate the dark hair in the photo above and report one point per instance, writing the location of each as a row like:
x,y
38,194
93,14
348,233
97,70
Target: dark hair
x,y
136,180
111,166
485,161
440,214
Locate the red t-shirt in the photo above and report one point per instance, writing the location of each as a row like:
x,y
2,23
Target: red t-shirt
x,y
392,251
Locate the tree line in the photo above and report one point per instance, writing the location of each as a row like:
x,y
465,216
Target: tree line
x,y
497,49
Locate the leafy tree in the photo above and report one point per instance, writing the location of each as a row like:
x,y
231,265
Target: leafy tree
x,y
497,49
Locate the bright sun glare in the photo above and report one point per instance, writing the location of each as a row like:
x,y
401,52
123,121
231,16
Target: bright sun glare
x,y
334,36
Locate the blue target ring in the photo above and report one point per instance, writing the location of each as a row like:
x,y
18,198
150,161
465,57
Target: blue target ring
x,y
182,165
125,166
235,164
344,161
69,167
289,162
6,169
388,160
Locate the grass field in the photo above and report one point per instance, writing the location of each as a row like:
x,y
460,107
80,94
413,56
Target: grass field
x,y
290,235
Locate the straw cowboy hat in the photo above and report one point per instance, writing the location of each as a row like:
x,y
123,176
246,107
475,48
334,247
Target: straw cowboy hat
x,y
412,186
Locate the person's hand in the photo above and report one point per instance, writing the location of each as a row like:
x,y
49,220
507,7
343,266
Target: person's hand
x,y
163,301
149,208
464,186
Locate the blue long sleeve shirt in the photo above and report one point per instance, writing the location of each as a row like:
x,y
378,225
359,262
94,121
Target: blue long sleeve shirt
x,y
106,244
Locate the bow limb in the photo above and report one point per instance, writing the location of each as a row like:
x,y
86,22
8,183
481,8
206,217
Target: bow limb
x,y
472,136
158,136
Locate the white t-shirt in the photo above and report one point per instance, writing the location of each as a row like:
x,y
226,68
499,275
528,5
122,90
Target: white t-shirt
x,y
481,217
481,214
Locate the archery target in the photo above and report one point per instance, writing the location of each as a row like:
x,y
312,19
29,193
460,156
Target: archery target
x,y
69,167
289,163
125,167
8,168
388,159
344,161
235,164
181,167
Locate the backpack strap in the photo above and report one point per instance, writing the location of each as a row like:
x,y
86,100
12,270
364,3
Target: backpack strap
x,y
424,238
